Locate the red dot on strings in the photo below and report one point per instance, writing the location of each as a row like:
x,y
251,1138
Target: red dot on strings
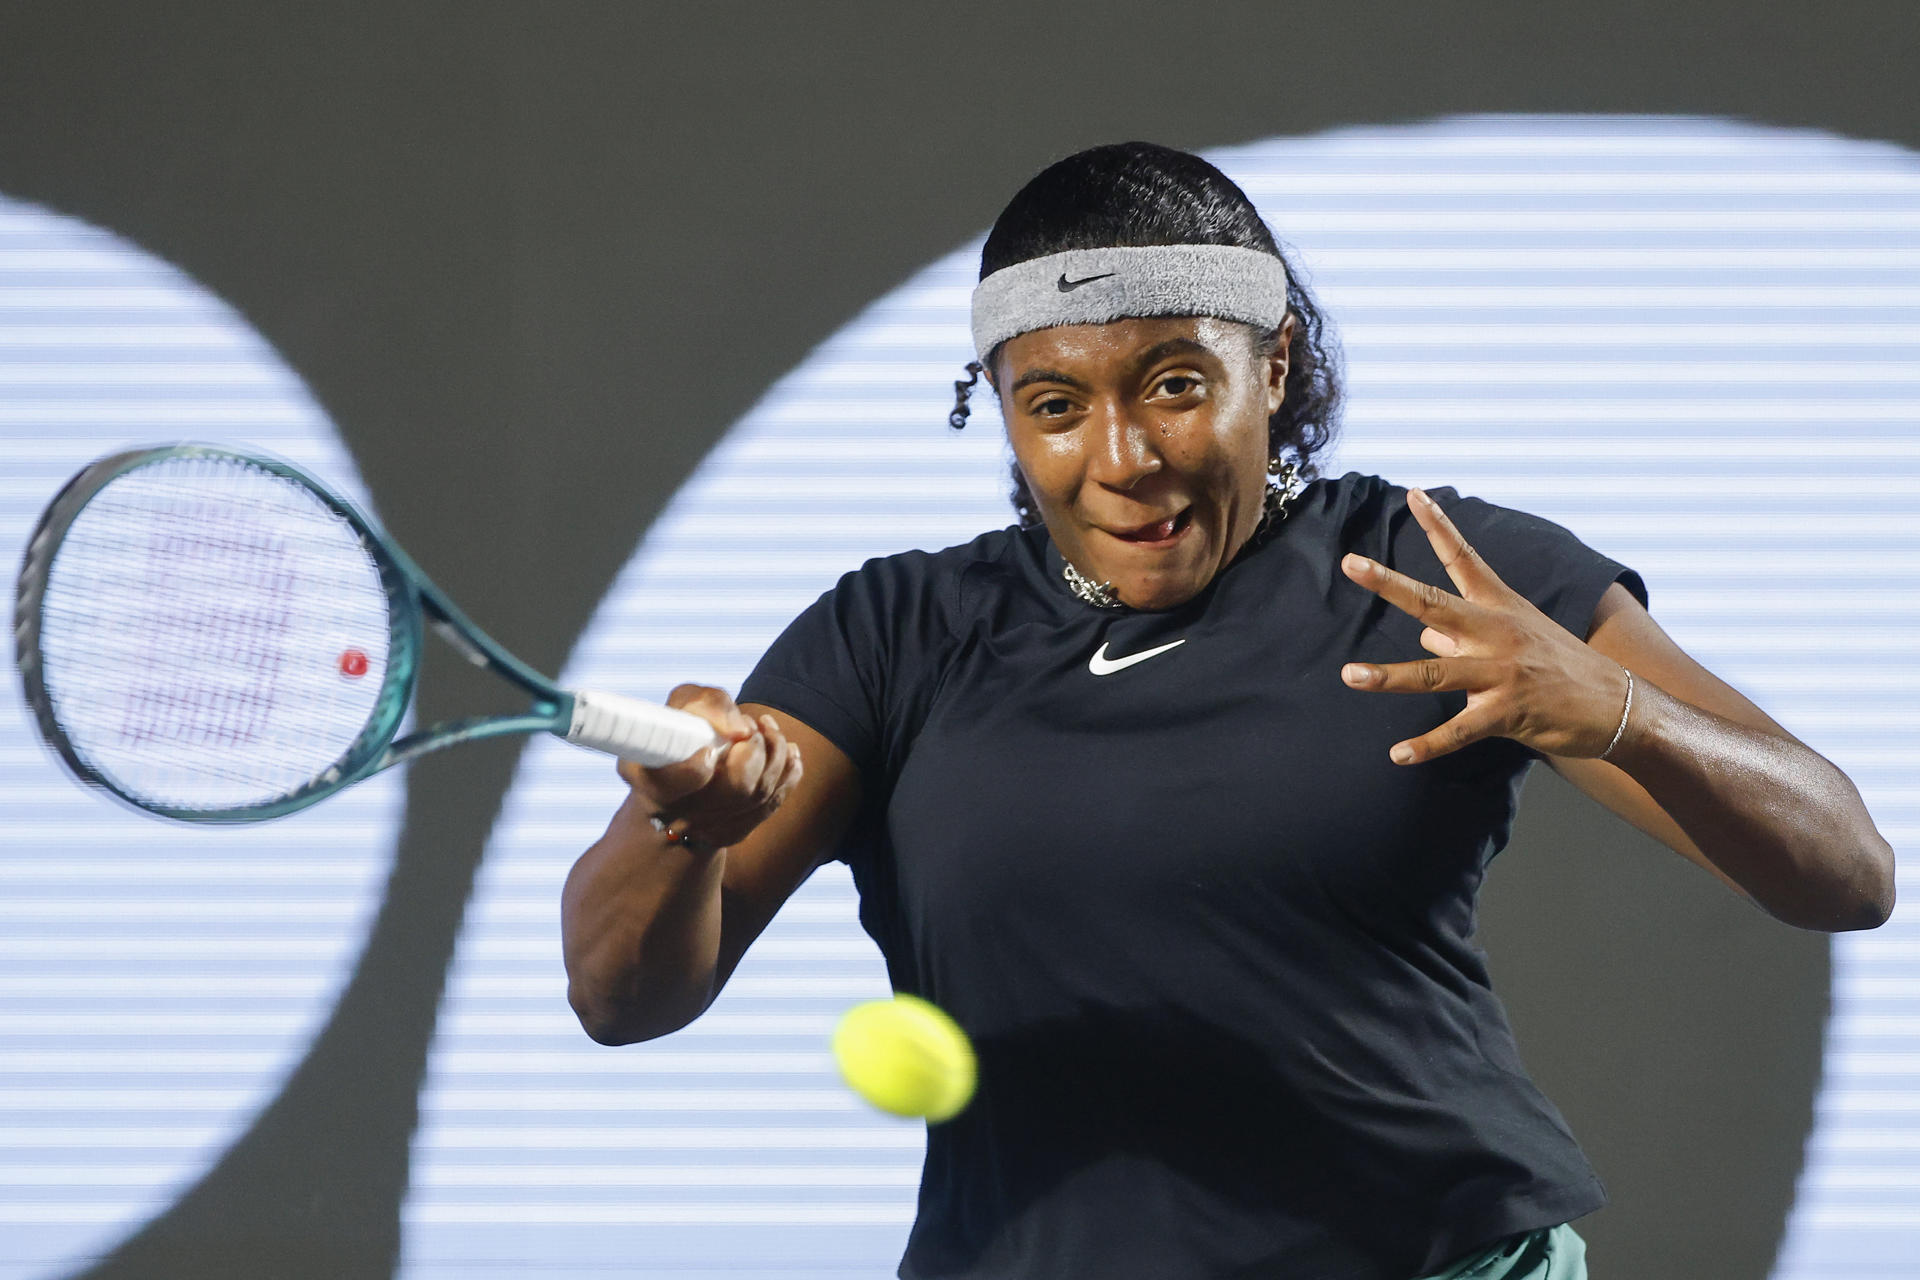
x,y
353,664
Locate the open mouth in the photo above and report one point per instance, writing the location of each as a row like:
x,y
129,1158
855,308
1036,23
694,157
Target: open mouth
x,y
1159,533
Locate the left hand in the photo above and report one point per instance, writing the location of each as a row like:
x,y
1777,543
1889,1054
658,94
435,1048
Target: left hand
x,y
1526,677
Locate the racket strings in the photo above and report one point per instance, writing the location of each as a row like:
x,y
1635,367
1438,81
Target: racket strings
x,y
214,635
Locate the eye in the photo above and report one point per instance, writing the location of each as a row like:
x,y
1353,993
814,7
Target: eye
x,y
1177,386
1052,407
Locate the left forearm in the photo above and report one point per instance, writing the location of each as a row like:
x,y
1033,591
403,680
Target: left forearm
x,y
1776,817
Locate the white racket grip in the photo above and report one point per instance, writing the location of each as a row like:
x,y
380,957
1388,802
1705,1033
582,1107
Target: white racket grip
x,y
644,732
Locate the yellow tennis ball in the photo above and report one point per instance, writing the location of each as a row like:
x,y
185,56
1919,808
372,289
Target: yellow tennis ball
x,y
906,1056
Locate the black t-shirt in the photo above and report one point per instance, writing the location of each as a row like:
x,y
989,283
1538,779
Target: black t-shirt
x,y
1212,946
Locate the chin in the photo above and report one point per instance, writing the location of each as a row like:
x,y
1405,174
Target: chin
x,y
1166,586
1159,593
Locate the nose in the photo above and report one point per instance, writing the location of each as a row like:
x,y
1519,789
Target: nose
x,y
1124,451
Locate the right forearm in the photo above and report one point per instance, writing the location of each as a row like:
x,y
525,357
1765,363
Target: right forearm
x,y
640,919
640,914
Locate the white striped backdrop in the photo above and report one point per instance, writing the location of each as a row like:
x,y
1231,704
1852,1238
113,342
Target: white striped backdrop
x,y
1691,341
157,982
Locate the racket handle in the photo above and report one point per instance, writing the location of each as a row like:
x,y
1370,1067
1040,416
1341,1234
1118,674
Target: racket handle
x,y
644,732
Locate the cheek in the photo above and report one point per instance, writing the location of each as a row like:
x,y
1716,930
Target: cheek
x,y
1049,463
1246,432
1233,453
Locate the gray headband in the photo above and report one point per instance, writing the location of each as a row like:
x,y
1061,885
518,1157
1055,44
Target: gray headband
x,y
1096,286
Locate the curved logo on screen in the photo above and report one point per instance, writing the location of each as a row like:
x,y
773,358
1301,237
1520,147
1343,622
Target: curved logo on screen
x,y
156,981
1695,343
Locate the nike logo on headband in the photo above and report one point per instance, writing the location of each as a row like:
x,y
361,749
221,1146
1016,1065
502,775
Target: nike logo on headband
x,y
1068,286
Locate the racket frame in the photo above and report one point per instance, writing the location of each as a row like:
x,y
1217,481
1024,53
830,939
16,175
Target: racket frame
x,y
413,602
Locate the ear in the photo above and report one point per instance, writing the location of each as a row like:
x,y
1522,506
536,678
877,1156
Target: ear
x,y
1276,365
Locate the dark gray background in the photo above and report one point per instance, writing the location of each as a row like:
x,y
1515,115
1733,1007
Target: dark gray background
x,y
535,259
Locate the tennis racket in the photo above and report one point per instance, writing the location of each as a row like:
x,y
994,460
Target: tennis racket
x,y
214,636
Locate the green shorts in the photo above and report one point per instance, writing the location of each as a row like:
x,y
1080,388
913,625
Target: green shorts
x,y
1553,1253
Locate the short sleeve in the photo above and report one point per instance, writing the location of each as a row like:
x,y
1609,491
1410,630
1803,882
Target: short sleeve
x,y
1543,561
858,665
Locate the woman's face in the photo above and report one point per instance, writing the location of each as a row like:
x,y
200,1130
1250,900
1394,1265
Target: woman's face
x,y
1144,443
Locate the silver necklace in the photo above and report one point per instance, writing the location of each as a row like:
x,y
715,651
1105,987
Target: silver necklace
x,y
1283,486
1100,595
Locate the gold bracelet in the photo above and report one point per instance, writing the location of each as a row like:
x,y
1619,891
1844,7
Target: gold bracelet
x,y
1624,711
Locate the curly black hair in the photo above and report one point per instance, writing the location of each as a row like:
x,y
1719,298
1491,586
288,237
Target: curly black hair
x,y
1132,194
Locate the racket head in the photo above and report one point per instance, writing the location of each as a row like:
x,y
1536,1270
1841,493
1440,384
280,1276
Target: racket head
x,y
213,636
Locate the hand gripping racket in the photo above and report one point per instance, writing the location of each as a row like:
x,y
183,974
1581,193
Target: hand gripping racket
x,y
215,637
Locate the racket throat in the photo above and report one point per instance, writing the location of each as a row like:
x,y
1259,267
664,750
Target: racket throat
x,y
457,640
544,717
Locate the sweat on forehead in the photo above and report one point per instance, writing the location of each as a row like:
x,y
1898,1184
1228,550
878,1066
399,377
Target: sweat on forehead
x,y
1099,286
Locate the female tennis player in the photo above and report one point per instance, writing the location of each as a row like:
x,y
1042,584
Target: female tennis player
x,y
1177,794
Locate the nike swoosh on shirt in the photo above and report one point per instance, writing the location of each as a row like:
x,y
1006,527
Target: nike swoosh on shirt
x,y
1101,665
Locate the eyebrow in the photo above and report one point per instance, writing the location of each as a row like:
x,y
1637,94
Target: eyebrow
x,y
1171,347
1152,355
1032,376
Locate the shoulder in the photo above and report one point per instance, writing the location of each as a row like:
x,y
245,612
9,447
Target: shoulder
x,y
1354,500
926,592
1363,511
1357,500
1352,512
1369,514
1548,563
937,574
995,547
